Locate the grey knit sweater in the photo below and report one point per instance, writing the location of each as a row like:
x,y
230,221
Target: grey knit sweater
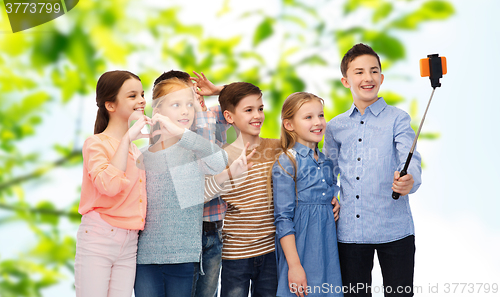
x,y
175,188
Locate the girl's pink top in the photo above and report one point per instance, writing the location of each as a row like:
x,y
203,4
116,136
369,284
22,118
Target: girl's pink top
x,y
119,197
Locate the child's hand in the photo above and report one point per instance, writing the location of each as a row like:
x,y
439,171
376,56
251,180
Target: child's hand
x,y
239,166
134,132
336,208
199,103
168,128
402,185
297,280
205,87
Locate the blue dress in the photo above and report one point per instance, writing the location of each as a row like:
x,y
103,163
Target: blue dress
x,y
310,217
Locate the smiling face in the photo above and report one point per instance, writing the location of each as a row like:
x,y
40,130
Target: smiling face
x,y
248,115
130,102
178,106
364,78
308,123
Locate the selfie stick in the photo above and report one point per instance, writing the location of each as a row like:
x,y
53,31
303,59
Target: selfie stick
x,y
434,67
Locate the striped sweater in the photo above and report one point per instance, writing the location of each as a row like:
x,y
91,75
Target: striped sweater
x,y
249,223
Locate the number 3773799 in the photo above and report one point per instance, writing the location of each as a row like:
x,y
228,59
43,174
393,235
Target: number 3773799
x,y
27,8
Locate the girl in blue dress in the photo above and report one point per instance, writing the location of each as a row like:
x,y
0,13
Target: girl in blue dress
x,y
304,191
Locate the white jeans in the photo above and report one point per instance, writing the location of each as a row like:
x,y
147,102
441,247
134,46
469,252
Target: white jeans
x,y
105,258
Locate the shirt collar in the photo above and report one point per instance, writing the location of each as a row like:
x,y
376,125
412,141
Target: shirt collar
x,y
304,151
376,107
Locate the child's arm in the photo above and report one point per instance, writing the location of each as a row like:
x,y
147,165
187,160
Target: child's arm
x,y
284,197
403,138
211,158
205,87
297,280
120,157
108,174
216,184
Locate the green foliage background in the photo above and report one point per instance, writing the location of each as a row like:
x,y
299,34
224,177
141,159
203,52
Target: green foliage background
x,y
60,62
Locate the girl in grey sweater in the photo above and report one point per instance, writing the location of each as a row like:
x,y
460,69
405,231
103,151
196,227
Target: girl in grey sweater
x,y
175,165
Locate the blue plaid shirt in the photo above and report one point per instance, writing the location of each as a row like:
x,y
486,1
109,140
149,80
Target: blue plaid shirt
x,y
366,150
207,121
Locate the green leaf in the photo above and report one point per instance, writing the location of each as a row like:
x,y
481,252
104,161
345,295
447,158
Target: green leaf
x,y
313,60
383,44
47,218
263,31
382,12
429,11
391,98
429,135
352,5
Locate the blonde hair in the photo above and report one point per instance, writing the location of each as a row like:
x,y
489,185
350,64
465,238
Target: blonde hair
x,y
168,86
288,138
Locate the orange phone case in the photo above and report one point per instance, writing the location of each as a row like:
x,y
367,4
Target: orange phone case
x,y
424,67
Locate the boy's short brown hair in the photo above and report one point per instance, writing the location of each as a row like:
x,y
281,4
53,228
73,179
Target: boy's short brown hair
x,y
356,51
232,94
184,76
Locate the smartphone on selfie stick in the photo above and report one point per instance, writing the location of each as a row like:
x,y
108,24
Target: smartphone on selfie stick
x,y
434,67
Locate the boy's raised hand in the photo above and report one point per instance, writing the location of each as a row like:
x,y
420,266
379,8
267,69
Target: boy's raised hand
x,y
240,165
205,87
402,185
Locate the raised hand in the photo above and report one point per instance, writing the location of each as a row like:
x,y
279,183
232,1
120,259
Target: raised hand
x,y
134,132
168,128
205,87
240,165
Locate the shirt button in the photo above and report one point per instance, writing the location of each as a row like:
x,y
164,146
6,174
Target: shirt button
x,y
112,229
140,180
323,180
143,220
359,159
140,201
138,161
357,196
357,177
357,216
359,140
362,122
323,194
319,167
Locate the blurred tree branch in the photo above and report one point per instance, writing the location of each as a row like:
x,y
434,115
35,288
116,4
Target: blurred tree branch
x,y
40,171
39,210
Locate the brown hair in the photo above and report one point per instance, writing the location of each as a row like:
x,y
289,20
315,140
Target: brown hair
x,y
232,94
107,88
359,49
184,76
288,138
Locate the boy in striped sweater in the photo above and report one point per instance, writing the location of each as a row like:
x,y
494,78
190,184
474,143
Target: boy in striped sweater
x,y
248,255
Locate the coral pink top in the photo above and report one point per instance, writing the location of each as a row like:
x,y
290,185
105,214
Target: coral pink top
x,y
119,197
